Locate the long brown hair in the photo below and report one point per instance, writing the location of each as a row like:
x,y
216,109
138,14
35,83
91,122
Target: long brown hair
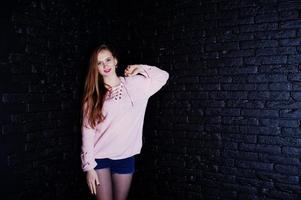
x,y
94,90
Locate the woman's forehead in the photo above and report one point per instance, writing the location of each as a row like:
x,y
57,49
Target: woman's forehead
x,y
103,54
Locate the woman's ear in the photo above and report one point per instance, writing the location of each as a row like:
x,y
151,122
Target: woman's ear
x,y
116,61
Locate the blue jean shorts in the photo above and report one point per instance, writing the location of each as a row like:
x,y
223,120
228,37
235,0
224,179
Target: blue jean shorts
x,y
120,166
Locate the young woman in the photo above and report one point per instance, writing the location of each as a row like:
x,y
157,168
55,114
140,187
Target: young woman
x,y
113,109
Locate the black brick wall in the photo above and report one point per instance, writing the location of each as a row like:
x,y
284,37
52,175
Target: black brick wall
x,y
226,125
44,51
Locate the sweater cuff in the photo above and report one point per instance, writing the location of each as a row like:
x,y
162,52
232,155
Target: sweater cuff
x,y
87,163
145,69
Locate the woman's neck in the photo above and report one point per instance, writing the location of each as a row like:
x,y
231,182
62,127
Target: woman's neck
x,y
111,81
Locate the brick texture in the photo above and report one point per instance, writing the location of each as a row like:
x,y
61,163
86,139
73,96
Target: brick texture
x,y
226,125
42,66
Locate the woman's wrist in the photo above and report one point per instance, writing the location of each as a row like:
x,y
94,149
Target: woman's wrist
x,y
141,68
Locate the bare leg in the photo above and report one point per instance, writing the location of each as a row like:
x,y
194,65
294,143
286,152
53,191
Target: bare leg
x,y
122,184
104,190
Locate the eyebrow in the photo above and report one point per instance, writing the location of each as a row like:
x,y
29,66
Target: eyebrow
x,y
104,59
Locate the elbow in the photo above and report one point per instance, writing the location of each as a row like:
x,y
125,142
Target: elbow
x,y
165,76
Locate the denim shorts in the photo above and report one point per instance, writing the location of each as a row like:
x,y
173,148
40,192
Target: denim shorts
x,y
120,166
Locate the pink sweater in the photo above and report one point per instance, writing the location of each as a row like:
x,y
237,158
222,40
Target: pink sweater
x,y
120,134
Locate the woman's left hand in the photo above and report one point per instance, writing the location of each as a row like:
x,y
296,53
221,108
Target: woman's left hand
x,y
132,70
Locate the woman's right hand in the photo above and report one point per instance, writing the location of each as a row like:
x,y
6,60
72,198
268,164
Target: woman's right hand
x,y
132,70
92,180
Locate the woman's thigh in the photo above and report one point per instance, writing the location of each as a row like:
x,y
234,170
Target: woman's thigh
x,y
122,173
122,184
104,190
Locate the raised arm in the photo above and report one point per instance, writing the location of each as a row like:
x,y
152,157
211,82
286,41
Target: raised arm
x,y
154,79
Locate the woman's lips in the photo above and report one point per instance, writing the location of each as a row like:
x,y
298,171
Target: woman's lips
x,y
107,70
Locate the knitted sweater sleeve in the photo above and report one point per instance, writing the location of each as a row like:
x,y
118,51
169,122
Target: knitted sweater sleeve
x,y
153,79
87,149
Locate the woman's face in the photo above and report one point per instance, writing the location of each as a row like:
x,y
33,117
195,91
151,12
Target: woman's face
x,y
106,63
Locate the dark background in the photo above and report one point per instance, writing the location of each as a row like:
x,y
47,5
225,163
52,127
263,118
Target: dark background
x,y
225,126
